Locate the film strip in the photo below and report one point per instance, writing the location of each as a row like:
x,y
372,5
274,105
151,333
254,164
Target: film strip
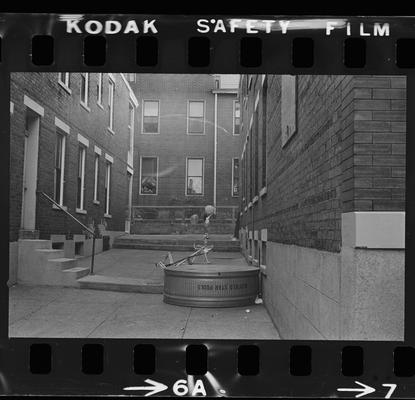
x,y
278,319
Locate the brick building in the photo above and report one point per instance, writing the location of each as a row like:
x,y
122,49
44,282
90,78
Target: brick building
x,y
186,150
323,202
71,137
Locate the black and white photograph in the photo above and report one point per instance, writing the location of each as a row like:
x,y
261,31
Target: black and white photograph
x,y
207,206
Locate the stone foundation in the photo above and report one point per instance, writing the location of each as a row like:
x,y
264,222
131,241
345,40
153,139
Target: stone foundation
x,y
357,294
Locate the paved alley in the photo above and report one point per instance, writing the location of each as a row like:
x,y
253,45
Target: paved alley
x,y
79,313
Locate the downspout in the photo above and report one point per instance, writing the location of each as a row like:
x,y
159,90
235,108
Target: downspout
x,y
215,152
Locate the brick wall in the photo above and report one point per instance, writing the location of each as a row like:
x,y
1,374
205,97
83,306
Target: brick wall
x,y
172,145
346,155
374,144
57,102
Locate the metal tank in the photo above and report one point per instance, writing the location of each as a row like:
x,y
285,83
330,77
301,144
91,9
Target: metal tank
x,y
211,285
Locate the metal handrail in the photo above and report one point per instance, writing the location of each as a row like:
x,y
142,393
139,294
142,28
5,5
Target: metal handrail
x,y
91,269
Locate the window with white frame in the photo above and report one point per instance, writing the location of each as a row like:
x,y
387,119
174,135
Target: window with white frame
x,y
236,117
235,177
151,116
131,78
111,91
100,85
196,117
80,199
131,126
108,170
84,88
59,173
194,176
64,79
148,175
288,107
96,178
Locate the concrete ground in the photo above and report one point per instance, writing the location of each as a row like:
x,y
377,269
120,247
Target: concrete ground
x,y
80,313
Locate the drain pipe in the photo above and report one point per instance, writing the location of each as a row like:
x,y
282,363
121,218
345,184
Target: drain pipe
x,y
215,152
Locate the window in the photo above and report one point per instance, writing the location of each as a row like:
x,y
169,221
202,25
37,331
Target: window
x,y
108,168
288,107
111,90
96,179
235,177
148,177
99,88
131,78
255,145
151,114
64,79
194,176
243,162
236,117
84,88
196,117
59,168
81,178
264,134
131,127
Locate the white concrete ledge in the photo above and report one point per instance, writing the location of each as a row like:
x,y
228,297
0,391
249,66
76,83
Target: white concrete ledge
x,y
374,229
83,140
97,150
61,125
38,109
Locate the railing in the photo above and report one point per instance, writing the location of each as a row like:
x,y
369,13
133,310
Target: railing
x,y
180,213
91,269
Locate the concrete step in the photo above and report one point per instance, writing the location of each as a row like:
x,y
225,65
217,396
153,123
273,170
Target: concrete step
x,y
49,254
169,227
71,276
118,284
63,263
174,244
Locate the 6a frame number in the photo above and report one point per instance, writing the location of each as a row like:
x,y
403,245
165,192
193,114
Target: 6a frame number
x,y
181,388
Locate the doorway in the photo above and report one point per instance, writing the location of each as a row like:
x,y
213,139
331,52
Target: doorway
x,y
30,164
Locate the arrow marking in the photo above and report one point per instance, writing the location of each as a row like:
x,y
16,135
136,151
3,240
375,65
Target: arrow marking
x,y
364,389
155,387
